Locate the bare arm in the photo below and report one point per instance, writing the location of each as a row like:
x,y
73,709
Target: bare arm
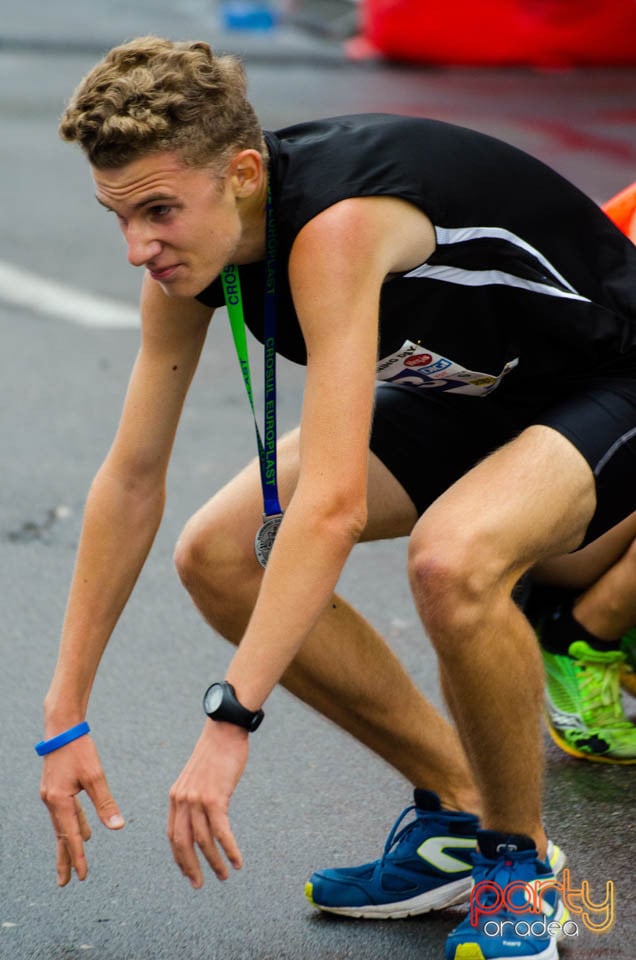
x,y
125,502
122,515
338,265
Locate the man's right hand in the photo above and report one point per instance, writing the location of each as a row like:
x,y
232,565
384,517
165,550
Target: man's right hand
x,y
68,771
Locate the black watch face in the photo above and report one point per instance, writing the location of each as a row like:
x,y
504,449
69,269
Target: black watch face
x,y
213,698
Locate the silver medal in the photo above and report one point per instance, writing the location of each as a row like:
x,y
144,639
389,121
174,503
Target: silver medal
x,y
265,536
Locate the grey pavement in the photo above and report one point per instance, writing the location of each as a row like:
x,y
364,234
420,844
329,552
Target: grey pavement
x,y
311,797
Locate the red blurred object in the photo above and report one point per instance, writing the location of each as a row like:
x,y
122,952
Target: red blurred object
x,y
622,210
503,32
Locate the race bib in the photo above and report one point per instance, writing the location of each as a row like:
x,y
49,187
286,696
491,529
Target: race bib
x,y
416,366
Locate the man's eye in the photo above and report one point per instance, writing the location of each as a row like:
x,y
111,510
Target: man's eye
x,y
159,211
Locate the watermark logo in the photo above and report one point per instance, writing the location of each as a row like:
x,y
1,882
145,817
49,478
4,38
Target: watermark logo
x,y
521,897
527,928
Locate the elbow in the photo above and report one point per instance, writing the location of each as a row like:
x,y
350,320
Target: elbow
x,y
334,511
346,518
356,521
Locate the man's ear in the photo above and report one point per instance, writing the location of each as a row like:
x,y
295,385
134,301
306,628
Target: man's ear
x,y
246,168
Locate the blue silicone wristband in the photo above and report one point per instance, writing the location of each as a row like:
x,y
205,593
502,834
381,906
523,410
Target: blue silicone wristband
x,y
48,746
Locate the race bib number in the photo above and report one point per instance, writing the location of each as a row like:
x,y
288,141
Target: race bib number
x,y
415,366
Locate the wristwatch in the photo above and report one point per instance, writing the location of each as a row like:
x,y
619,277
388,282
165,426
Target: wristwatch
x,y
220,703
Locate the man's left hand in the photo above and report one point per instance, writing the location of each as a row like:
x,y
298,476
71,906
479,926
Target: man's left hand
x,y
200,799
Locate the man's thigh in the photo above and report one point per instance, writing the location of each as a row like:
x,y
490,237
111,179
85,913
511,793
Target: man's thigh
x,y
429,442
531,499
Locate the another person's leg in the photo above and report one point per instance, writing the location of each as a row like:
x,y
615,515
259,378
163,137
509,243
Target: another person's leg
x,y
602,576
607,609
583,607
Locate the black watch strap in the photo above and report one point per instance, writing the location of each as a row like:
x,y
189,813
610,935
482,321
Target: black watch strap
x,y
221,703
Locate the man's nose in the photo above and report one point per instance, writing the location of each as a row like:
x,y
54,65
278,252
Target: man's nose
x,y
142,245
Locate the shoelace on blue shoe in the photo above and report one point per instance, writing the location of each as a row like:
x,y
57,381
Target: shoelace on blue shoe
x,y
497,871
394,838
500,872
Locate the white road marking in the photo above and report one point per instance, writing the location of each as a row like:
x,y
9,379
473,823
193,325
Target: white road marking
x,y
26,289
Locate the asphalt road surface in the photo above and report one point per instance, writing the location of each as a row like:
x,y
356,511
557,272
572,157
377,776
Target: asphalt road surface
x,y
311,797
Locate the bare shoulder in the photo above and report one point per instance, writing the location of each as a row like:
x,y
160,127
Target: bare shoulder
x,y
387,233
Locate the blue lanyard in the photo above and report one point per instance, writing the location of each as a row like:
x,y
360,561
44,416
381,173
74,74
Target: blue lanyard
x,y
234,302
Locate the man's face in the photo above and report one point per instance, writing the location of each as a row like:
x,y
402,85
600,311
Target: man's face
x,y
180,223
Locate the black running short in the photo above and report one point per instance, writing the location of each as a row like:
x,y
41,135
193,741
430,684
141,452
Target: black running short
x,y
428,440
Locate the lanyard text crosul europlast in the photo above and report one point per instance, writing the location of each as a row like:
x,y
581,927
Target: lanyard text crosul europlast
x,y
266,443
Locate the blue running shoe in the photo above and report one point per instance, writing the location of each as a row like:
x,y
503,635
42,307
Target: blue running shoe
x,y
513,916
426,865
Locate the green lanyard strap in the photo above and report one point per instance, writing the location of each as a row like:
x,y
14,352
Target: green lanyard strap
x,y
234,302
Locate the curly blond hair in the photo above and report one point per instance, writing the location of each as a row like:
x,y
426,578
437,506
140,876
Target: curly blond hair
x,y
153,95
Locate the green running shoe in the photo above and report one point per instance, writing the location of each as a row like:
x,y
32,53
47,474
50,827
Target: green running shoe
x,y
583,704
628,669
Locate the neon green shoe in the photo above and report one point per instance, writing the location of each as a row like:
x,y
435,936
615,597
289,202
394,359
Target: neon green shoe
x,y
628,668
583,704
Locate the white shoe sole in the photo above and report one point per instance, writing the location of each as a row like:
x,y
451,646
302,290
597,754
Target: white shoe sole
x,y
445,896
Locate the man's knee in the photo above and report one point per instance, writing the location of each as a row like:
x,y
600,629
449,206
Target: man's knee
x,y
190,555
205,554
455,578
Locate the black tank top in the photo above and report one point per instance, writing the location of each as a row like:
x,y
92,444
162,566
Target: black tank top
x,y
529,283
